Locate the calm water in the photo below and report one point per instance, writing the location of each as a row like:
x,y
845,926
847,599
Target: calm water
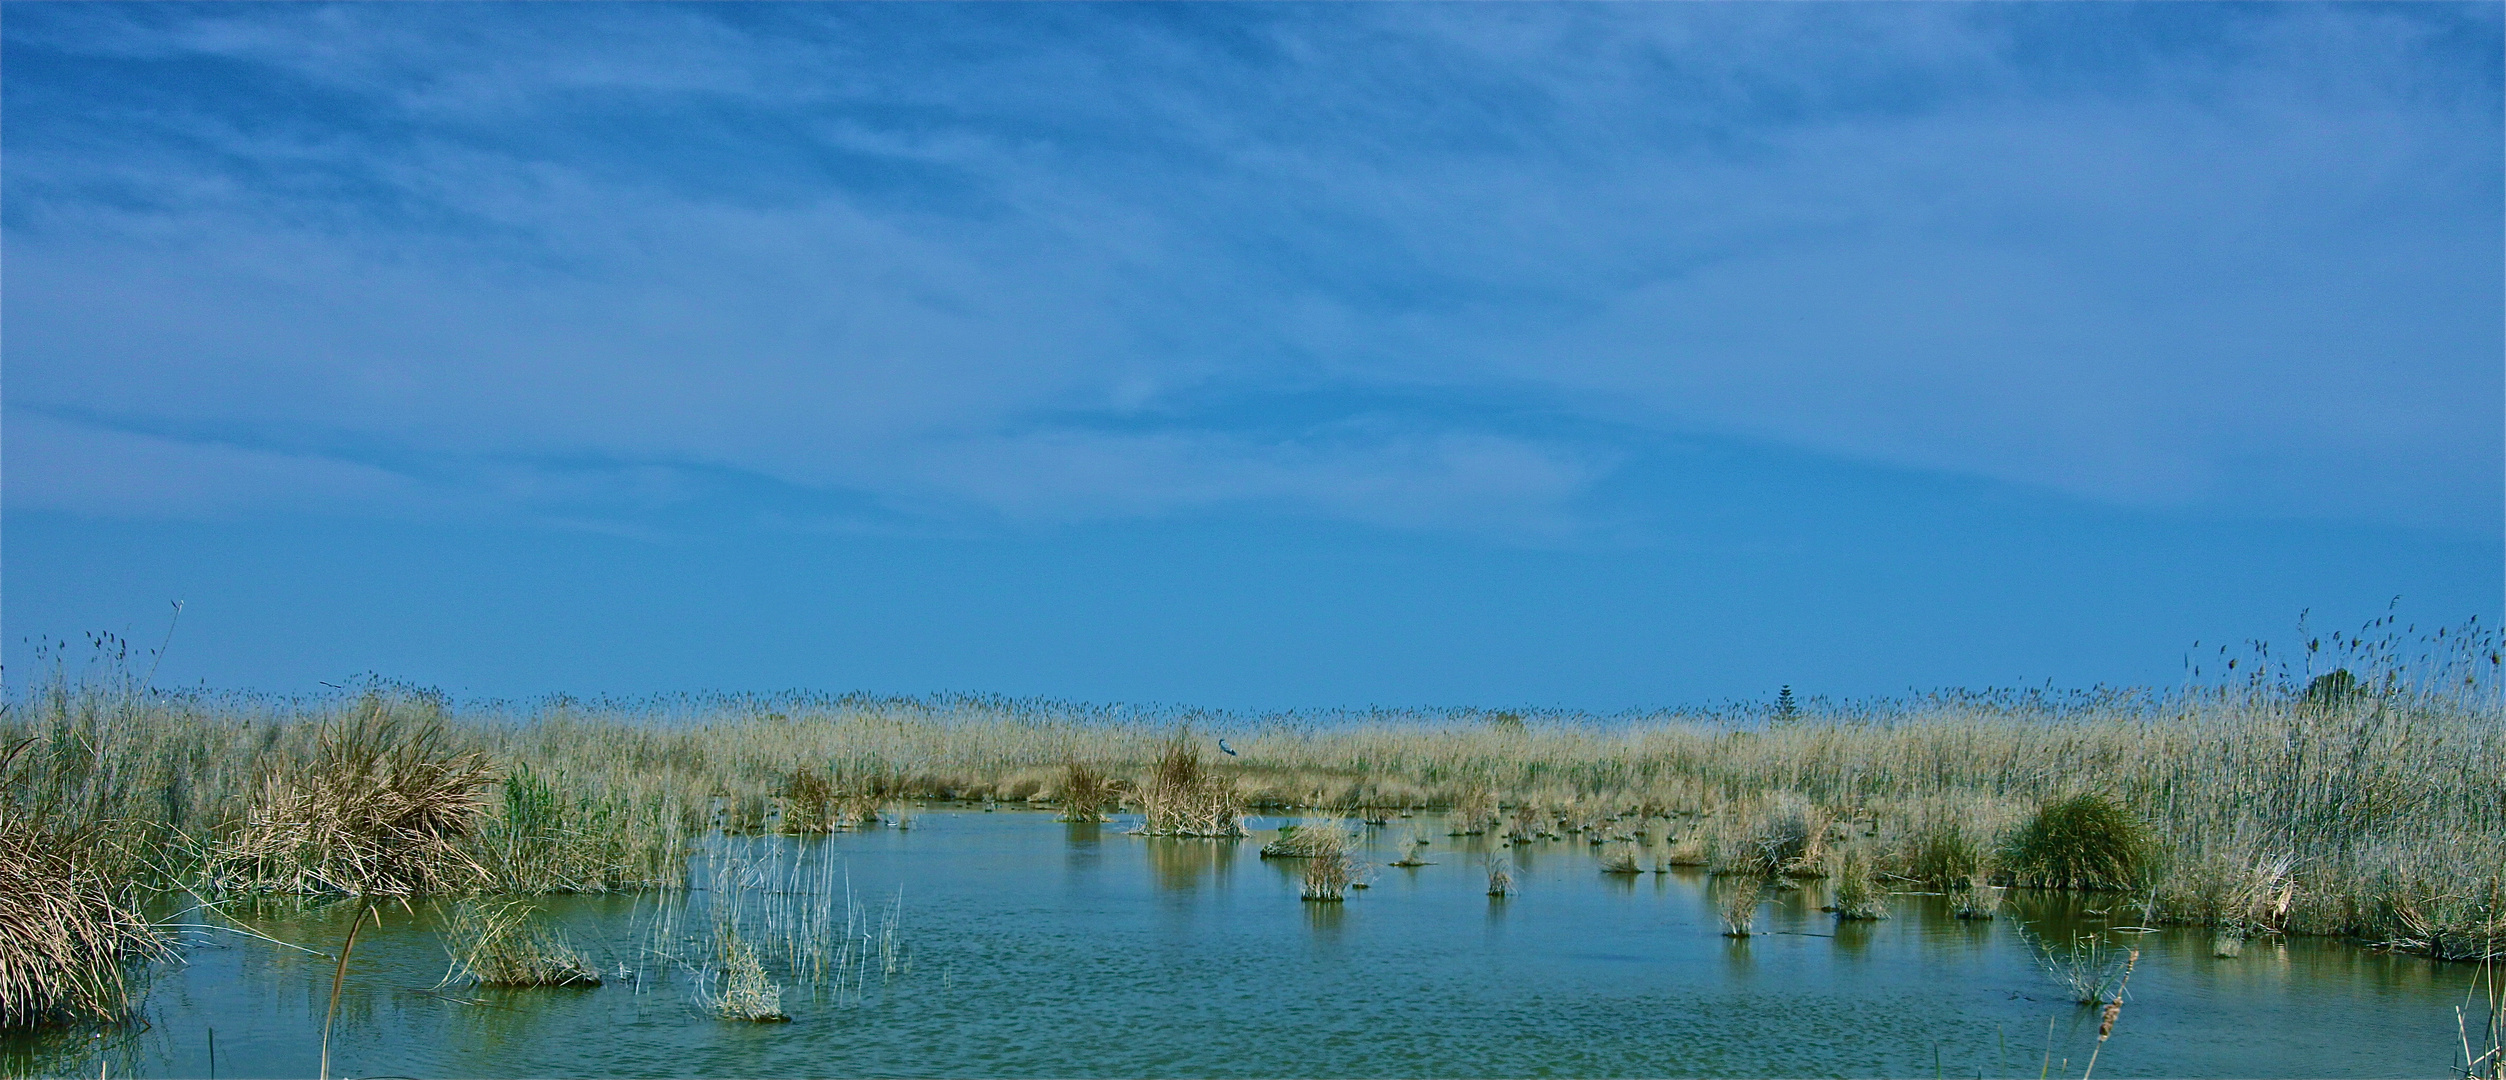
x,y
1036,948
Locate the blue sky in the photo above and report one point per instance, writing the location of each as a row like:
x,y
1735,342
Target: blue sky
x,y
1248,355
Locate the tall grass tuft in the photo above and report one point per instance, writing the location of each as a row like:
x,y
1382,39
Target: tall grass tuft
x,y
503,944
1327,874
1500,879
2086,841
1183,798
1086,792
1413,852
70,936
384,807
1622,859
1858,895
1741,894
811,802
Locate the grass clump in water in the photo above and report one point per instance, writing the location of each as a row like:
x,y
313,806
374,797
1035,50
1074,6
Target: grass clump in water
x,y
503,944
1087,793
1500,879
2088,969
1307,840
1414,852
1739,910
1184,798
1326,875
2086,841
1979,898
1622,859
1858,895
69,935
747,992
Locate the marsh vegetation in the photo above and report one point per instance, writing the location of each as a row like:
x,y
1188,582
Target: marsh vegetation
x,y
2371,806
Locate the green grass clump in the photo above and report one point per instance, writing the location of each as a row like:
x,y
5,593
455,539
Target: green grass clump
x,y
2086,841
1858,895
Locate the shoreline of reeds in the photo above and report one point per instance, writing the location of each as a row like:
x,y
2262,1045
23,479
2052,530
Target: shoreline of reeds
x,y
2372,808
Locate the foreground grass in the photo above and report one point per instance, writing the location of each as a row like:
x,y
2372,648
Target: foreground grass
x,y
2370,807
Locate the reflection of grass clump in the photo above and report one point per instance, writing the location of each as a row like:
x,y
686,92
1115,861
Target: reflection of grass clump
x,y
2083,842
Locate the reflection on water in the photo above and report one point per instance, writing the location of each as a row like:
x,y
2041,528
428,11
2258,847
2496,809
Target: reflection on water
x,y
1185,863
1041,948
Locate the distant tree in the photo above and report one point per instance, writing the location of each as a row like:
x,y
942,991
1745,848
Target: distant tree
x,y
2333,689
1787,710
1506,721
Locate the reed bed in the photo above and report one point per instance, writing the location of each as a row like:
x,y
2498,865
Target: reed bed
x,y
2280,803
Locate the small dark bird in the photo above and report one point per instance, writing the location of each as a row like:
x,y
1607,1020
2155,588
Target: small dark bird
x,y
1223,748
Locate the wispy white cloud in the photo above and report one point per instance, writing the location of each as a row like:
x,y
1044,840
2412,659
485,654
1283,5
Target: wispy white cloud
x,y
1016,263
